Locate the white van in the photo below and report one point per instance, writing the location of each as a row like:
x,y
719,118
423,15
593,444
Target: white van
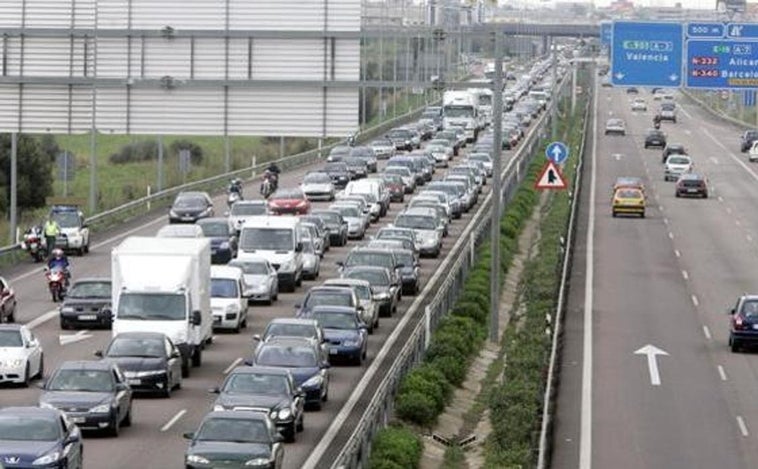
x,y
279,240
228,301
372,186
180,231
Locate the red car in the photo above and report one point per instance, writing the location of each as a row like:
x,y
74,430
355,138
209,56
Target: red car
x,y
289,201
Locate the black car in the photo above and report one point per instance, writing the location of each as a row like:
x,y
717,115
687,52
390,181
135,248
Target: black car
x,y
673,149
655,138
339,173
325,295
34,437
747,139
451,137
266,389
87,304
189,207
367,154
410,272
357,167
743,326
691,184
335,223
223,239
384,289
148,360
94,395
235,439
338,152
402,138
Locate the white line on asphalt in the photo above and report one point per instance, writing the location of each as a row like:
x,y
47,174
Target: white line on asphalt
x,y
685,274
743,427
684,111
585,441
707,332
665,221
42,319
677,253
695,301
749,238
671,235
729,210
687,132
721,199
173,420
722,373
660,207
714,160
731,155
231,367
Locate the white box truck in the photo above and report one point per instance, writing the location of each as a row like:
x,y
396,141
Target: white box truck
x,y
162,285
460,109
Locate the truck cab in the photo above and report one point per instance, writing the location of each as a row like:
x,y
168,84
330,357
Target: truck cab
x,y
74,234
279,240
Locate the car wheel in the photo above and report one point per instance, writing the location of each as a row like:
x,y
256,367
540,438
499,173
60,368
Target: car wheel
x,y
27,376
128,419
64,325
290,434
300,423
237,327
276,294
167,391
642,214
676,194
614,214
114,427
86,248
197,357
41,371
734,345
705,195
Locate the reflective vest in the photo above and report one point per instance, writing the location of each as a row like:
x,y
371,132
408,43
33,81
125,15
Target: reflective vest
x,y
51,228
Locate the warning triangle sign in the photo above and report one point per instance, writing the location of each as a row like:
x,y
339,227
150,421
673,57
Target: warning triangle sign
x,y
550,178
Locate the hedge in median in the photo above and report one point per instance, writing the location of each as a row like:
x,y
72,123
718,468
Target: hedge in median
x,y
395,447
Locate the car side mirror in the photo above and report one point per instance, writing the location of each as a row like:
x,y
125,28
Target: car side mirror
x,y
188,435
279,437
257,337
299,247
99,353
197,318
176,354
299,392
215,390
122,387
731,311
325,366
72,437
226,214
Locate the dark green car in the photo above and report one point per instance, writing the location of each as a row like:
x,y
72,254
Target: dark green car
x,y
235,439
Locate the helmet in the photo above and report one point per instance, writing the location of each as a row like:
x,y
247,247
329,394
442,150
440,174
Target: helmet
x,y
57,253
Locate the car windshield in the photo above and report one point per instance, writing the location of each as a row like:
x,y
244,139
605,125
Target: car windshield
x,y
66,219
271,239
243,209
375,277
750,309
152,306
405,258
329,217
390,233
459,111
215,230
287,194
440,142
11,339
336,167
399,133
134,347
234,429
392,178
362,152
90,290
254,383
678,160
480,157
81,381
399,170
668,106
336,320
381,143
277,355
615,122
251,268
629,194
28,428
317,178
328,298
224,288
192,201
289,330
347,211
370,258
417,222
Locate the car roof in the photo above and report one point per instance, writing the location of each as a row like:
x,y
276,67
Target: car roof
x,y
289,341
693,176
208,221
329,288
226,271
248,260
85,365
259,369
365,267
237,415
250,202
11,327
91,279
30,411
333,309
140,335
270,221
346,281
295,321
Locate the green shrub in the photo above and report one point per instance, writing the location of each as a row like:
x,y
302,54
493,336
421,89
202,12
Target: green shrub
x,y
454,368
395,447
416,407
196,151
136,152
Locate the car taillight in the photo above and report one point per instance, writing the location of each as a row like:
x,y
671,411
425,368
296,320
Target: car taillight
x,y
738,323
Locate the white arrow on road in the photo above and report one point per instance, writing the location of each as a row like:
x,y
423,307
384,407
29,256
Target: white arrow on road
x,y
70,339
652,362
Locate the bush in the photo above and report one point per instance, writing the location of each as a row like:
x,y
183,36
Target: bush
x,y
429,381
395,447
196,151
136,152
416,407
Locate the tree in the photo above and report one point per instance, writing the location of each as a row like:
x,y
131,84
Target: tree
x,y
34,170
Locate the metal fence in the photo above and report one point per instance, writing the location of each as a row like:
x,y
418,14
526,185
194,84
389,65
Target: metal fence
x,y
145,204
341,448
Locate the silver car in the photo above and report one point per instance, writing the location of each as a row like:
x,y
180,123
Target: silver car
x,y
244,209
311,260
356,221
261,279
427,228
318,186
383,148
370,313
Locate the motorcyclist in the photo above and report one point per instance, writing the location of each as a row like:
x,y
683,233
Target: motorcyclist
x,y
58,260
273,168
235,185
51,230
351,140
657,121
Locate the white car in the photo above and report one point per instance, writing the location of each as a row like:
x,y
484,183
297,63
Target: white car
x,y
441,155
753,154
311,260
260,278
21,356
370,313
356,221
639,104
676,165
74,233
615,126
318,186
383,148
228,301
244,209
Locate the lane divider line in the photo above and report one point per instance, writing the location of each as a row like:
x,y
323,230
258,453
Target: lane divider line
x,y
743,427
660,207
42,319
677,253
737,222
233,365
729,210
721,199
695,301
665,221
707,332
173,420
671,235
722,373
749,238
685,274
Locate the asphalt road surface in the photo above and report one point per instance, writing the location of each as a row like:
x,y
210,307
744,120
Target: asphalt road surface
x,y
154,440
665,281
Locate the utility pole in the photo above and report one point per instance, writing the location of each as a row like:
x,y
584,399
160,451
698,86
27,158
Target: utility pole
x,y
14,186
554,108
497,122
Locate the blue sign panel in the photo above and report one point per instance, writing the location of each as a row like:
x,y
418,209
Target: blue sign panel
x,y
557,152
606,30
646,54
705,30
722,64
742,30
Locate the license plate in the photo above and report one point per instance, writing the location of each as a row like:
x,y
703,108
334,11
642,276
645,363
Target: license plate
x,y
333,351
134,382
755,326
87,317
188,218
692,191
78,419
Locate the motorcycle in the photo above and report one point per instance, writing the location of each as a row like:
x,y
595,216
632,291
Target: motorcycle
x,y
32,243
657,125
56,283
269,184
233,198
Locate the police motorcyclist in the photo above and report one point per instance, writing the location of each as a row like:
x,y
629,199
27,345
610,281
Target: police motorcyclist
x,y
58,260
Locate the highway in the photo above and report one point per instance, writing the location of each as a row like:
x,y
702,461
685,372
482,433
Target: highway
x,y
154,440
664,281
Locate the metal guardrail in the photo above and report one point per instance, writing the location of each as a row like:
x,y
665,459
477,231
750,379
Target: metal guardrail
x,y
548,402
406,346
715,112
213,183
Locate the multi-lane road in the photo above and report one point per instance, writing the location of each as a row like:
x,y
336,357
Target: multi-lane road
x,y
154,440
665,281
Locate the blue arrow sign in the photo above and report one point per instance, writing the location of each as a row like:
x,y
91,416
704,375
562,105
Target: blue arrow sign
x,y
646,54
606,30
705,30
557,152
722,64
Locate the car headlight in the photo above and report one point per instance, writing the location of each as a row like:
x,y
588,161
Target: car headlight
x,y
67,309
233,308
48,458
100,409
287,266
15,362
224,245
144,374
195,459
46,405
313,381
285,414
172,213
218,408
258,462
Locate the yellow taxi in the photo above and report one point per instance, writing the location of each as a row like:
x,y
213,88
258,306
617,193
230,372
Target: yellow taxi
x,y
628,200
628,182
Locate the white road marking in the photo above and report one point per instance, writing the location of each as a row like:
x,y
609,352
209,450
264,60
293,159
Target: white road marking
x,y
685,275
707,332
722,373
743,427
687,132
231,367
671,235
651,352
729,210
737,222
731,155
173,420
73,338
695,301
665,221
684,111
585,442
714,160
42,319
721,199
677,253
660,207
749,238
